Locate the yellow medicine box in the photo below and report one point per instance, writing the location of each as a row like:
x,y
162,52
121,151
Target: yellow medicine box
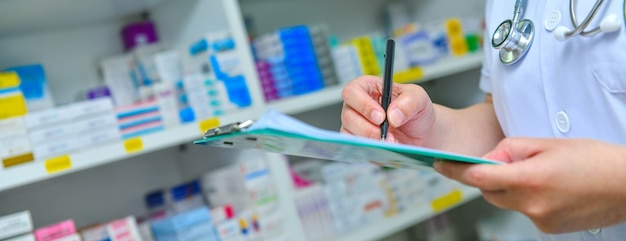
x,y
12,102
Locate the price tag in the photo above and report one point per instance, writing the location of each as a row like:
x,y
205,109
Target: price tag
x,y
58,164
133,145
410,75
16,160
447,200
207,124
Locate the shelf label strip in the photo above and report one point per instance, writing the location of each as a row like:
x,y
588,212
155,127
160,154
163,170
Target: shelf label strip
x,y
58,164
447,200
207,124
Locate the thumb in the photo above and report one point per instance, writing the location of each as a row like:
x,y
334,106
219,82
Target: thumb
x,y
411,103
516,149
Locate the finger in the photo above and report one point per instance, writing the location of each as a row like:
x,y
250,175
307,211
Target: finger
x,y
362,95
503,199
356,124
516,149
345,131
484,176
410,104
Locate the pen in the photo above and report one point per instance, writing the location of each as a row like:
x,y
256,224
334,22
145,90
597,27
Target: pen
x,y
387,80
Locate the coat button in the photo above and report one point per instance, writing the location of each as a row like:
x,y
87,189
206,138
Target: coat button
x,y
552,20
562,122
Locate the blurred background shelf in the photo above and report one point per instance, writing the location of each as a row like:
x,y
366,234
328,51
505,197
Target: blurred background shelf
x,y
36,171
111,152
104,182
332,95
19,16
406,219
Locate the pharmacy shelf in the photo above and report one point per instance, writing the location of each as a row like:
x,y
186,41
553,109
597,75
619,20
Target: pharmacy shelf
x,y
76,161
41,170
406,219
451,65
332,95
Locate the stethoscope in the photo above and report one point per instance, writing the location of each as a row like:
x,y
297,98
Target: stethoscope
x,y
513,37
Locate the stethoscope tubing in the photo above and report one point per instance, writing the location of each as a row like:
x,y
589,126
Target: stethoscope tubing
x,y
580,29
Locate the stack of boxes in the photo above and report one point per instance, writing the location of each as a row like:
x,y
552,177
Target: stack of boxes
x,y
207,97
293,61
15,147
357,195
347,63
300,59
16,227
404,189
320,37
354,195
314,213
195,224
139,119
367,55
124,229
62,231
223,87
34,86
72,127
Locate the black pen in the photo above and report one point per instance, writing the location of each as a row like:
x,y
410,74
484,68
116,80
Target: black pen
x,y
387,80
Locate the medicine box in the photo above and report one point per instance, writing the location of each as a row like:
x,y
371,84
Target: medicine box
x,y
15,147
56,231
186,226
139,119
33,85
12,101
15,224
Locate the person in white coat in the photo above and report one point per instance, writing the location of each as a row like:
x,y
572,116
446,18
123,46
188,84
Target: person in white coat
x,y
556,115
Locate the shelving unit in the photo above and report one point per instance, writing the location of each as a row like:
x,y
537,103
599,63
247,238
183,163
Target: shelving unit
x,y
105,16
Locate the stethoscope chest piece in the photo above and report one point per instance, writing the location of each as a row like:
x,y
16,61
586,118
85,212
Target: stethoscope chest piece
x,y
513,41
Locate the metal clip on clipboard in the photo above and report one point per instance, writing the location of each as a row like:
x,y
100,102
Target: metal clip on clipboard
x,y
228,129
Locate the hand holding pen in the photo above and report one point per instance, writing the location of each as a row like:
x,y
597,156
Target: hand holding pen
x,y
408,119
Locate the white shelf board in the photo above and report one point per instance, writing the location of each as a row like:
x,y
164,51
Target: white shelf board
x,y
452,65
389,226
332,95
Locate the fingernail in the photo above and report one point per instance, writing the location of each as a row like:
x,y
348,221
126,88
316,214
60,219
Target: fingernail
x,y
377,117
396,117
438,165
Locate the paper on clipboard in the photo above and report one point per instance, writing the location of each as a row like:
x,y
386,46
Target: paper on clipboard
x,y
279,133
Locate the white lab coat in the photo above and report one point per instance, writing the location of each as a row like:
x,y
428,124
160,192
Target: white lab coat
x,y
570,89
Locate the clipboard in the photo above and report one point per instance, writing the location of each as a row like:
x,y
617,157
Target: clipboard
x,y
279,133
